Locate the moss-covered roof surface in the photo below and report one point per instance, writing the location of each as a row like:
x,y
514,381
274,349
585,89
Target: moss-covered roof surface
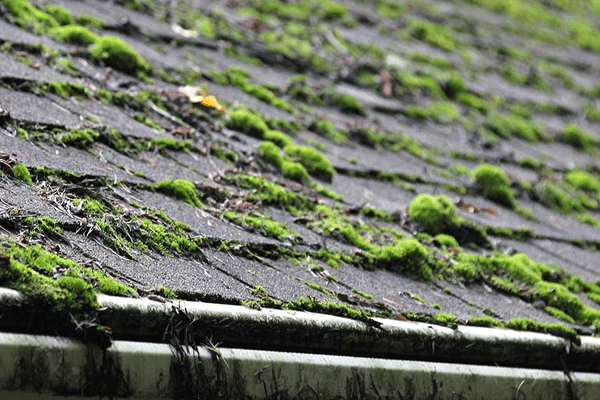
x,y
427,160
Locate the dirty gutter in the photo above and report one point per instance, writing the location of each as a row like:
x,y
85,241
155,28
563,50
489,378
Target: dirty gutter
x,y
262,354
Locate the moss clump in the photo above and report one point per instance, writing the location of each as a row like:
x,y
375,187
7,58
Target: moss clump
x,y
279,138
28,16
584,181
445,319
448,241
248,122
22,172
67,89
486,321
117,54
347,103
435,214
573,135
74,34
434,34
32,271
180,189
507,126
406,256
261,223
495,185
324,127
526,324
295,171
80,138
269,152
557,198
332,308
313,160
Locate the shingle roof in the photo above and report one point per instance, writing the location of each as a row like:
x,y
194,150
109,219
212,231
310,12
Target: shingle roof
x,y
130,180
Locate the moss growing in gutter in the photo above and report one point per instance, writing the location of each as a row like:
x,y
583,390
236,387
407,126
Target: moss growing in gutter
x,y
486,321
526,324
445,319
54,284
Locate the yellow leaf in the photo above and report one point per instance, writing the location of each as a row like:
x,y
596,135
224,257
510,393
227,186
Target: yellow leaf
x,y
197,95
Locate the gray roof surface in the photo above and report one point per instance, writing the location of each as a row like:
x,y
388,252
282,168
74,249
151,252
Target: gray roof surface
x,y
236,259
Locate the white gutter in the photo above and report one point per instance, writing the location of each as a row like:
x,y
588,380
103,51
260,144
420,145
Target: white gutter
x,y
333,361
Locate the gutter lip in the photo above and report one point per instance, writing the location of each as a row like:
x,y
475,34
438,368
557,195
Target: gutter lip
x,y
234,326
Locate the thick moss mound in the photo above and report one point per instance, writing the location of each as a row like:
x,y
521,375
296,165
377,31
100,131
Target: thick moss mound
x,y
117,54
436,214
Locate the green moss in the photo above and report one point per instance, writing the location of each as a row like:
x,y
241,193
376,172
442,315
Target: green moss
x,y
314,161
363,294
269,193
508,126
260,292
473,101
90,22
164,143
332,308
435,214
434,34
226,155
445,319
409,82
576,137
486,321
74,34
406,256
557,198
270,153
81,138
115,53
180,189
346,103
21,172
447,241
320,289
248,122
526,324
584,181
495,185
279,138
295,171
68,89
30,270
444,112
90,206
454,86
263,224
28,16
555,312
145,120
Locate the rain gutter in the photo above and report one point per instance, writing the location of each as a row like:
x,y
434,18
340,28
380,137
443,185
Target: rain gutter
x,y
290,354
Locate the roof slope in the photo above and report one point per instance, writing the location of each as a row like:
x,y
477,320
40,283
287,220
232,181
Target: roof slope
x,y
431,161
